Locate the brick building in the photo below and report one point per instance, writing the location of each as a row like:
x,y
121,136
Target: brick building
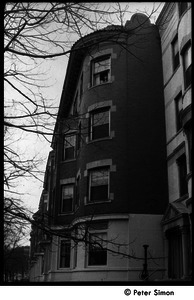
x,y
106,178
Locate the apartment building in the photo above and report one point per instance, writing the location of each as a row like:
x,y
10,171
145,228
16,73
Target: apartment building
x,y
174,24
113,193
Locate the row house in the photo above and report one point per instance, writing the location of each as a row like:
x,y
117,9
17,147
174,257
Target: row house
x,y
114,206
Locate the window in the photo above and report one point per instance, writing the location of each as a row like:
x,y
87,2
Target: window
x,y
75,247
175,53
189,139
182,8
81,88
79,137
67,198
75,105
101,70
100,124
69,147
77,195
45,202
187,65
182,169
99,185
97,253
179,109
65,252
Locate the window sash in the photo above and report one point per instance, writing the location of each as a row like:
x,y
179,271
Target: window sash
x,y
65,253
67,198
99,185
101,70
77,196
179,108
81,87
101,65
187,66
99,177
175,47
69,146
187,58
100,118
97,256
100,124
182,169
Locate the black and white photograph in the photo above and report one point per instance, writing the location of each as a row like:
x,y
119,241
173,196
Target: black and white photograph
x,y
98,148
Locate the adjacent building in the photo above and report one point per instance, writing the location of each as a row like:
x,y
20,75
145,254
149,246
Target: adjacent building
x,y
174,24
113,195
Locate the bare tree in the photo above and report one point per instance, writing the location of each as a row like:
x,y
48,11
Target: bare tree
x,y
35,32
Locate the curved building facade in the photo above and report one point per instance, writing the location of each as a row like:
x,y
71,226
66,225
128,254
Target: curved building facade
x,y
107,175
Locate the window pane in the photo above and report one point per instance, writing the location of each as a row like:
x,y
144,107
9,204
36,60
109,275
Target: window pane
x,y
65,254
69,147
175,54
179,107
99,177
100,124
187,58
102,65
97,255
183,187
67,191
175,47
70,141
101,118
101,71
100,132
67,199
99,185
77,197
187,66
99,193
